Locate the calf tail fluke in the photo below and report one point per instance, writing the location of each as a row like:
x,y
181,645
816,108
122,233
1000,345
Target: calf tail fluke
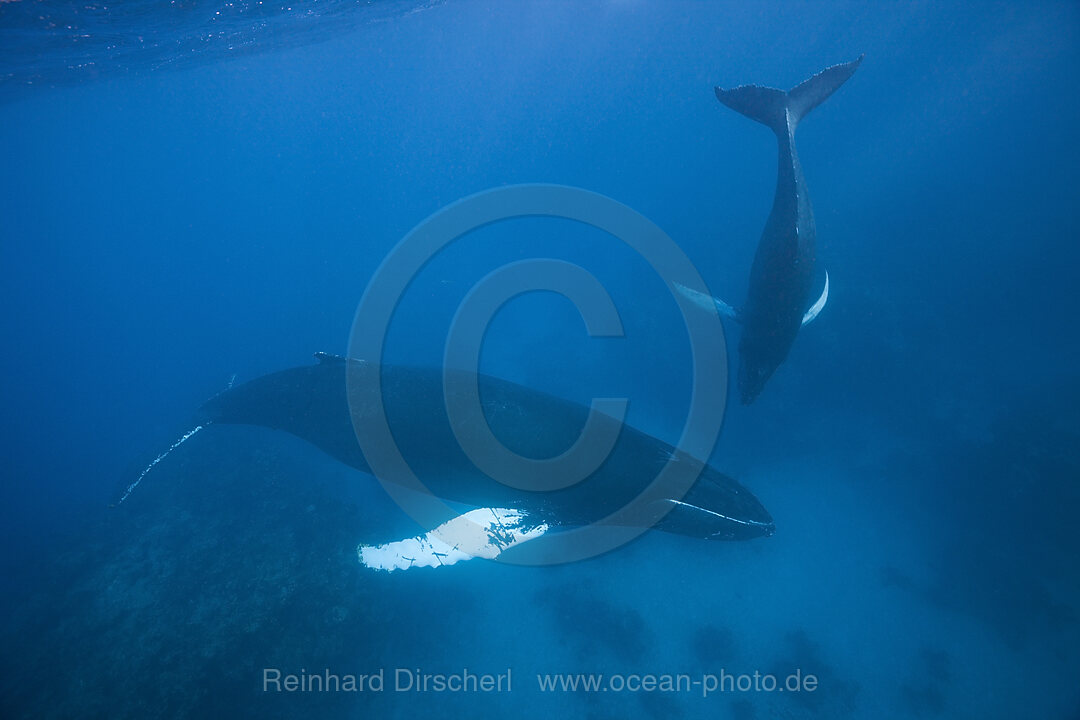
x,y
781,110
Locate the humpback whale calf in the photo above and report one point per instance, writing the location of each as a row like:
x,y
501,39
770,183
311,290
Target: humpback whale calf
x,y
315,403
782,275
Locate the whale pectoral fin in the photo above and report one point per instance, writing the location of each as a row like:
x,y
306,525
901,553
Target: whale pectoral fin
x,y
484,532
708,302
817,306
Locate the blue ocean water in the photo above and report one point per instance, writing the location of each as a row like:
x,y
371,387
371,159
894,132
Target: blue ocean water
x,y
194,194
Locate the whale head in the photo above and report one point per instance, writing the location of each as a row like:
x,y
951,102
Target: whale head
x,y
717,508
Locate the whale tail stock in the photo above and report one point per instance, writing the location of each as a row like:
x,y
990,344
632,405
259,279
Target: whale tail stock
x,y
781,110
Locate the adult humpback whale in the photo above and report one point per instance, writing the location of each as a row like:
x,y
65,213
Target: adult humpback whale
x,y
313,403
783,269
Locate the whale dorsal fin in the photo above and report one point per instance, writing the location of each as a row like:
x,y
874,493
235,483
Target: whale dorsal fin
x,y
329,358
817,306
708,302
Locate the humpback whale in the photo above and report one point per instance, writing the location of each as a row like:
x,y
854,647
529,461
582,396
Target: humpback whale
x,y
782,274
316,404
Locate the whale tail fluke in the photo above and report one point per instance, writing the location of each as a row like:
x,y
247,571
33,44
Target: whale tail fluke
x,y
781,110
764,104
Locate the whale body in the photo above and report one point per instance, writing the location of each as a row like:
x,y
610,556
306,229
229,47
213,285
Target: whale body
x,y
783,272
313,403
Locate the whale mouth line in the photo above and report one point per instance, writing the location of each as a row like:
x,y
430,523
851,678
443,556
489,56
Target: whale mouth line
x,y
748,523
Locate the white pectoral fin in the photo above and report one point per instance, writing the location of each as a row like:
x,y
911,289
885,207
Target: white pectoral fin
x,y
484,532
707,302
817,307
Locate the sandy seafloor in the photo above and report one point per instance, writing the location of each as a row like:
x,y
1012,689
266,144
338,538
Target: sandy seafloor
x,y
240,555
